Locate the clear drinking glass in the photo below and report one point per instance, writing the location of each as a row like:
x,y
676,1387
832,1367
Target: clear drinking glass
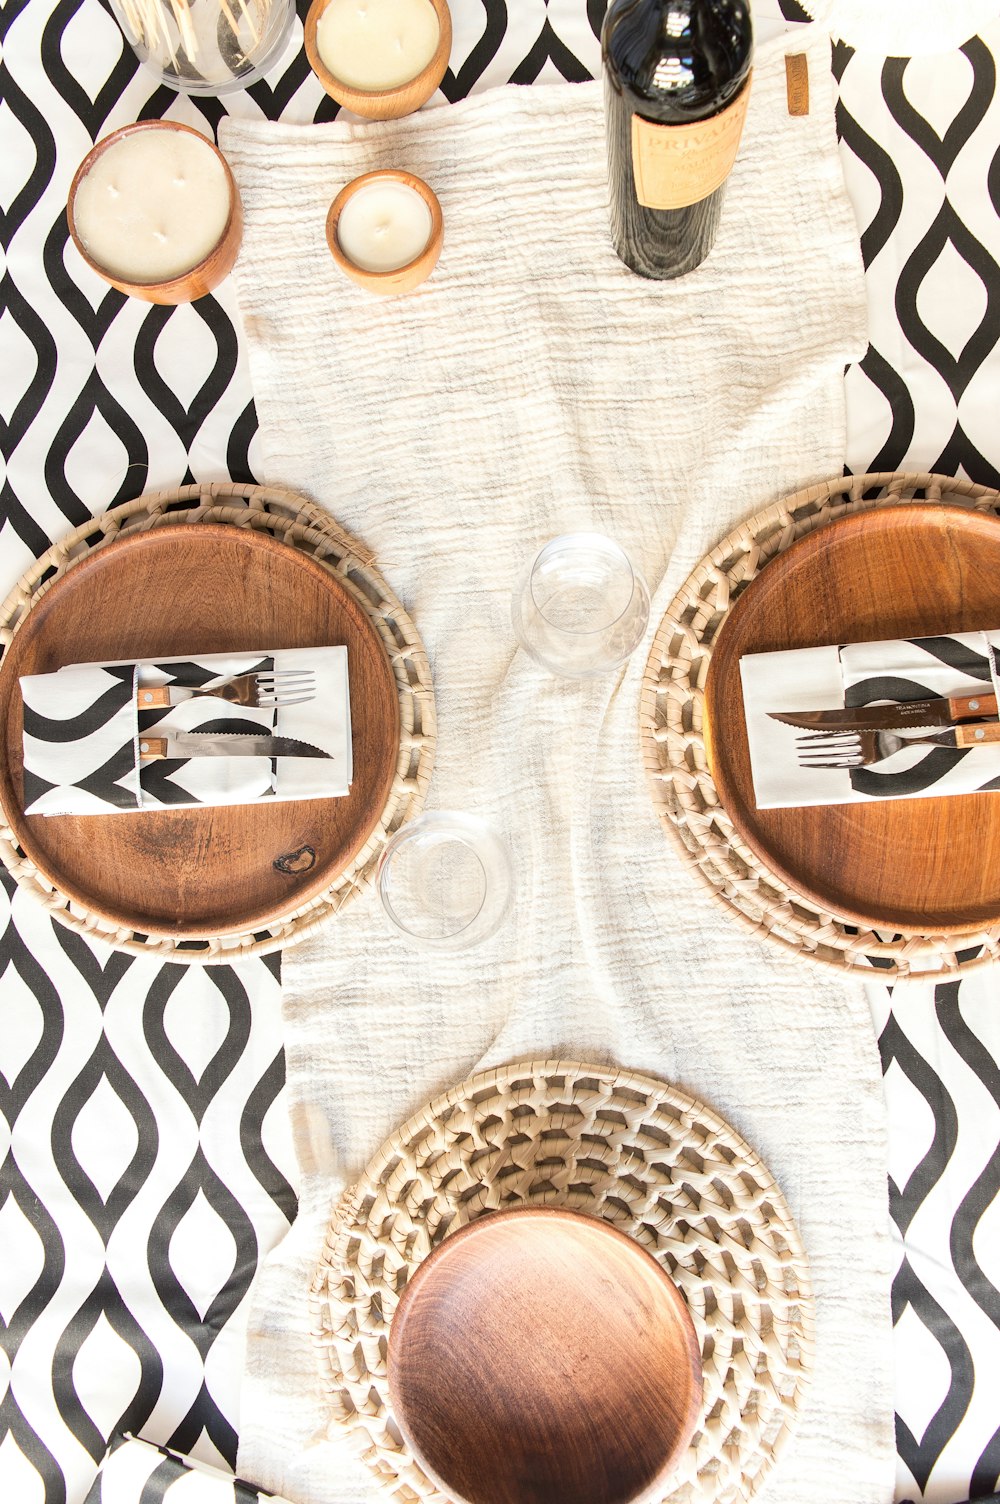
x,y
206,46
580,607
445,881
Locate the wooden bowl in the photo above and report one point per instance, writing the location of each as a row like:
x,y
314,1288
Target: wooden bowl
x,y
539,1356
382,104
208,273
404,278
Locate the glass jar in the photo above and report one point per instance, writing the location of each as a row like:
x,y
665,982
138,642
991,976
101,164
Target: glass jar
x,y
206,46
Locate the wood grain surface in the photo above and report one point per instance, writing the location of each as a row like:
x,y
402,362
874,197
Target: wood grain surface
x,y
539,1356
910,571
183,591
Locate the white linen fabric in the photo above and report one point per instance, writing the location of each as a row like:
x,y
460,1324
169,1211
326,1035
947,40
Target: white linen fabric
x,y
531,387
83,723
866,673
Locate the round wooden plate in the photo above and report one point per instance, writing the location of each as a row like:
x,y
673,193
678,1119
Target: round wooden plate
x,y
908,571
178,591
541,1355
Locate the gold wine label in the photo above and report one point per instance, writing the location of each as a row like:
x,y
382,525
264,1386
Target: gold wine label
x,y
678,165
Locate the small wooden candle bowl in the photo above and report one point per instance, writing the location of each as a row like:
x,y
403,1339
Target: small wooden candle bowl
x,y
539,1356
382,104
407,277
203,277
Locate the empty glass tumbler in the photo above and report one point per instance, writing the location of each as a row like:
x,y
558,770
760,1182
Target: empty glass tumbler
x,y
580,607
445,881
206,46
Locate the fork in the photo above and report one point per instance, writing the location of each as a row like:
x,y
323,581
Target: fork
x,y
862,749
274,687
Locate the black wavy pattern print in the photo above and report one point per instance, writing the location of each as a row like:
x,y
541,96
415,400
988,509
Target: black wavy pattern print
x,y
146,1162
917,132
927,258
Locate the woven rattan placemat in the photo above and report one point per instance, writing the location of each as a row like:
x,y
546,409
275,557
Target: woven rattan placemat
x,y
660,1166
671,720
302,525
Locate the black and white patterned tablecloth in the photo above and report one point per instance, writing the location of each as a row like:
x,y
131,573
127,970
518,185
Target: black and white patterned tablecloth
x,y
146,1156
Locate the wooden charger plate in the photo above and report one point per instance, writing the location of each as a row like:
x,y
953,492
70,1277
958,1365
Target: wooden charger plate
x,y
907,571
180,591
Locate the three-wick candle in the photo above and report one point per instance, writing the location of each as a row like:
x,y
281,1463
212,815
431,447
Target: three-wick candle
x,y
151,205
377,44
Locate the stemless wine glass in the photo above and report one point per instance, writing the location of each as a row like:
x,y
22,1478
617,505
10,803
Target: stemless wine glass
x,y
580,607
445,881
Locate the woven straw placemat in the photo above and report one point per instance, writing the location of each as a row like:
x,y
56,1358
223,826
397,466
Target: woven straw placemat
x,y
660,1166
302,525
671,720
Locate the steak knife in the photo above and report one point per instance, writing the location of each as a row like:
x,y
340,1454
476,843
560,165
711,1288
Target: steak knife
x,y
205,744
900,717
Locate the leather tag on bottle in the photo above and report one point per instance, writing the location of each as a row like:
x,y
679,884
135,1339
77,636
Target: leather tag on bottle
x,y
678,165
797,83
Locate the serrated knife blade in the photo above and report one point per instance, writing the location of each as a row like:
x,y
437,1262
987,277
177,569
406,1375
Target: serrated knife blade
x,y
906,716
206,744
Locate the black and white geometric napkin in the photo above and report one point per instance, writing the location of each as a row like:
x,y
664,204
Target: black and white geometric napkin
x,y
82,726
80,748
136,1472
866,673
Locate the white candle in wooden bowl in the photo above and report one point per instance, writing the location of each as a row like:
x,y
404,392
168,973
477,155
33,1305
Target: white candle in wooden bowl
x,y
384,226
377,44
152,205
385,231
380,58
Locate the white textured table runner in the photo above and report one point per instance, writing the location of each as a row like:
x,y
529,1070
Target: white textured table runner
x,y
531,387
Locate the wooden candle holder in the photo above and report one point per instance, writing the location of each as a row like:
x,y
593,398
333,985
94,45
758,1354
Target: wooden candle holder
x,y
382,104
208,273
407,277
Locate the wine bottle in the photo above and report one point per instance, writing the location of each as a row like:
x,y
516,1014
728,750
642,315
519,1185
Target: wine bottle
x,y
676,84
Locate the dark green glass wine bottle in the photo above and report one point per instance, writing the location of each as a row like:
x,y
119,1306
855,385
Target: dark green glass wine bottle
x,y
676,84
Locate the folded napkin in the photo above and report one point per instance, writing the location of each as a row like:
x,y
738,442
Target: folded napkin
x,y
866,673
136,1472
82,726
